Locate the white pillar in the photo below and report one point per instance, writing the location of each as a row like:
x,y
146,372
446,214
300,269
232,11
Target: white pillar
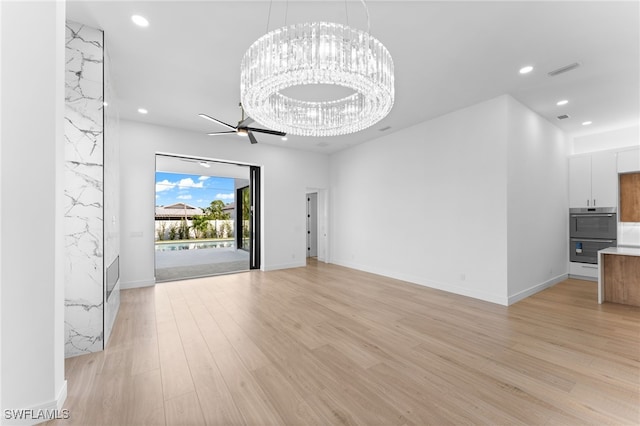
x,y
31,214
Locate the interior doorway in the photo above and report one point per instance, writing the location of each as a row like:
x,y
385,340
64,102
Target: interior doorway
x,y
312,224
200,220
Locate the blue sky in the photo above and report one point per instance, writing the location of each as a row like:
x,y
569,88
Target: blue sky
x,y
194,190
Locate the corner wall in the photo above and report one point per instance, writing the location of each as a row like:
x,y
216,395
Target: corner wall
x,y
428,204
537,202
474,202
286,173
111,194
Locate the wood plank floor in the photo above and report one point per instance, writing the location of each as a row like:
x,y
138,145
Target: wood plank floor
x,y
326,345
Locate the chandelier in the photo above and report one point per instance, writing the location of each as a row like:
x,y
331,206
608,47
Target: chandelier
x,y
313,54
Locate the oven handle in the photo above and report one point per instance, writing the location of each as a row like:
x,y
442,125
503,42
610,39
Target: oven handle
x,y
592,241
592,215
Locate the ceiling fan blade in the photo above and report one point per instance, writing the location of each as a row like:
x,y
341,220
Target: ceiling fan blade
x,y
220,133
267,131
246,122
252,138
215,120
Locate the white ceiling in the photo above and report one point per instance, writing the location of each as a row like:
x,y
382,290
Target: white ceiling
x,y
447,55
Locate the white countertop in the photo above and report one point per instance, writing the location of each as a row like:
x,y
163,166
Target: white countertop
x,y
625,251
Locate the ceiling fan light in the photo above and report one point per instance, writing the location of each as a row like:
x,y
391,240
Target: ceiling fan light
x,y
242,132
311,54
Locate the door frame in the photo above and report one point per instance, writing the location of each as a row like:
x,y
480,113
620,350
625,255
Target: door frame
x,y
324,254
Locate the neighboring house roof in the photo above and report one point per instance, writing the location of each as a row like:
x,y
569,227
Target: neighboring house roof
x,y
178,210
229,207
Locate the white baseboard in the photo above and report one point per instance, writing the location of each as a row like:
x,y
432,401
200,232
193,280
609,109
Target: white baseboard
x,y
285,266
39,413
126,285
583,277
536,288
493,298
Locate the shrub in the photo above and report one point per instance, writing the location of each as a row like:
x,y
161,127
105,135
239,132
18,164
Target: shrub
x,y
162,230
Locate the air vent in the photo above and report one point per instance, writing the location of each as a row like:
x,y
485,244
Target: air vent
x,y
564,69
385,128
562,117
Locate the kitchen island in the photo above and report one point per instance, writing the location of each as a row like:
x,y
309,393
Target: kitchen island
x,y
619,275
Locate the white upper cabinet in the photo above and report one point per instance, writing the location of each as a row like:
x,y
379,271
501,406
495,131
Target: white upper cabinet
x,y
629,161
604,180
579,181
593,180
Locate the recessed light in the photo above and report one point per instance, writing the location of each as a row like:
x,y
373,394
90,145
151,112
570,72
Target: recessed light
x,y
205,164
284,138
105,104
526,70
140,21
586,123
142,111
562,102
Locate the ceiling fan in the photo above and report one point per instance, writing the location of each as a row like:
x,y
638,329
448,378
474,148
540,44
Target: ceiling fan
x,y
242,128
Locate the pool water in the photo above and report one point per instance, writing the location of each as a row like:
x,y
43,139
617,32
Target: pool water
x,y
195,245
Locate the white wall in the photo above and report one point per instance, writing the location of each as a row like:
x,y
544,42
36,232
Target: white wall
x,y
286,173
620,138
444,184
111,192
32,270
537,202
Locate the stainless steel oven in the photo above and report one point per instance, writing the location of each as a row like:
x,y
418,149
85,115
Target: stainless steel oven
x,y
590,230
596,222
585,250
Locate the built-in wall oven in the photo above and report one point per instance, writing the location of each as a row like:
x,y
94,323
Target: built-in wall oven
x,y
590,230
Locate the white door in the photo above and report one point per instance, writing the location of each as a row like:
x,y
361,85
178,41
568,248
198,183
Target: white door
x,y
312,225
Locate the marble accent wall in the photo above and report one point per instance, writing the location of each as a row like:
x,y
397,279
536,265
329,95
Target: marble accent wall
x,y
84,190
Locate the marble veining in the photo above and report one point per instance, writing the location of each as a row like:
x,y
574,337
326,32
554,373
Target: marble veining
x,y
84,191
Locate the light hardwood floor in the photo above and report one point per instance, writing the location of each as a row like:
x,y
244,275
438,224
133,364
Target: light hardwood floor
x,y
326,345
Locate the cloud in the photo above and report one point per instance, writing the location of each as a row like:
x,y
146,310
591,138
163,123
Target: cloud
x,y
164,185
204,177
184,197
189,183
225,196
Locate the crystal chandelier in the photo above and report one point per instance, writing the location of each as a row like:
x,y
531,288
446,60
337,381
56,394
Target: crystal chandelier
x,y
311,54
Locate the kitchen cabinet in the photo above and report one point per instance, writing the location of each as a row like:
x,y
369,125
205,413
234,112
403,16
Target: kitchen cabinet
x,y
619,276
593,180
629,161
583,271
630,197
